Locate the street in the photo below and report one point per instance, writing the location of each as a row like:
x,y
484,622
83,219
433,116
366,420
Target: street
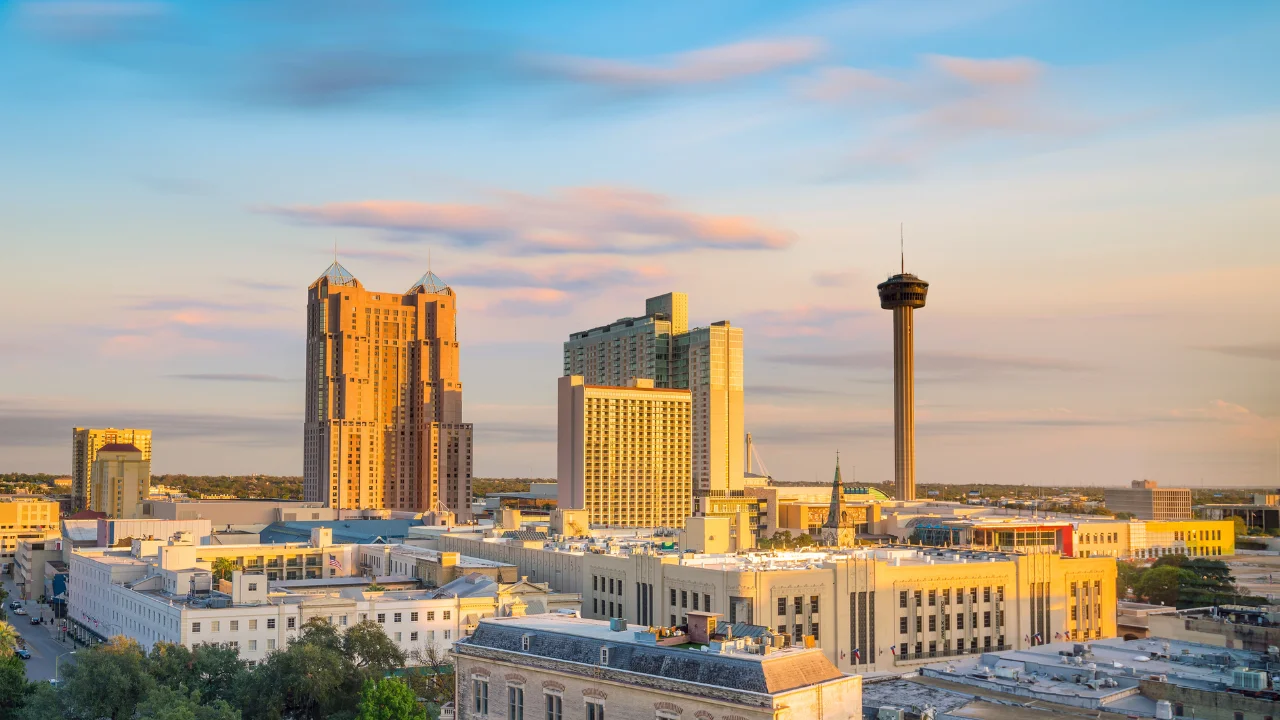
x,y
44,648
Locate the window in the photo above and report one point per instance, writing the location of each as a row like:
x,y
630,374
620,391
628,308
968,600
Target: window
x,y
253,645
782,605
1000,619
973,594
695,601
396,617
919,623
480,696
706,602
902,626
610,586
595,606
555,707
431,615
959,621
604,656
271,643
594,584
933,598
917,598
946,596
365,616
933,623
1000,593
813,603
235,626
673,598
253,587
813,630
798,602
902,599
397,637
986,618
344,621
447,614
446,634
986,594
799,631
215,626
413,617
595,710
515,703
1073,589
271,623
195,627
1074,612
290,623
253,624
684,598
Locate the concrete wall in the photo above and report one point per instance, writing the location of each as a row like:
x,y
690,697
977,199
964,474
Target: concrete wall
x,y
1208,704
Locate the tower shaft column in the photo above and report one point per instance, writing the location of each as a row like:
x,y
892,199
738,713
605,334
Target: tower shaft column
x,y
904,403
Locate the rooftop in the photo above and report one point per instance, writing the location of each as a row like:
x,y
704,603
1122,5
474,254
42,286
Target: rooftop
x,y
338,275
580,642
429,284
118,447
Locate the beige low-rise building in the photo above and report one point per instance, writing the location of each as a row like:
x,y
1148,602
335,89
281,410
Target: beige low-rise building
x,y
556,667
1146,500
30,563
868,609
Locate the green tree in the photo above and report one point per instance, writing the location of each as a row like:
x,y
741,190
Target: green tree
x,y
215,671
432,678
222,568
1127,576
311,679
1242,528
367,645
106,681
41,703
1161,584
14,687
1173,560
163,703
389,699
8,639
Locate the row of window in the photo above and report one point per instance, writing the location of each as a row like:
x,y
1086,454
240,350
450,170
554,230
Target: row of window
x,y
797,602
904,596
946,621
553,703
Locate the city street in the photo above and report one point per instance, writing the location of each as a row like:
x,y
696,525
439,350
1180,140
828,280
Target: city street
x,y
43,646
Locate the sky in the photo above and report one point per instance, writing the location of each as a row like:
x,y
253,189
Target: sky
x,y
1091,188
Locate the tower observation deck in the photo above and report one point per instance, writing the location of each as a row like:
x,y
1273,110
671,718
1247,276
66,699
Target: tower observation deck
x,y
903,294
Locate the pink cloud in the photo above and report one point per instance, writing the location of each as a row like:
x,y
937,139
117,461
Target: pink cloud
x,y
600,220
1003,71
698,67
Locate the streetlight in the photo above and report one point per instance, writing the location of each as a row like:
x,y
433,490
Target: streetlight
x,y
57,660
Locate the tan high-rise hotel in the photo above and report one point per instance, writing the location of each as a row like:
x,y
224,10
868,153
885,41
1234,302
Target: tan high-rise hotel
x,y
707,361
85,443
383,424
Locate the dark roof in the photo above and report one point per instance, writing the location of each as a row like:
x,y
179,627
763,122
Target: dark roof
x,y
362,532
87,515
118,447
768,674
524,535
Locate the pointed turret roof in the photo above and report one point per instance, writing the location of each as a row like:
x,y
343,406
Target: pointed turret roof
x,y
338,275
837,498
429,284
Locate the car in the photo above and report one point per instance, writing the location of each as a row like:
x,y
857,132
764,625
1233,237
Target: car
x,y
19,611
25,655
35,621
15,604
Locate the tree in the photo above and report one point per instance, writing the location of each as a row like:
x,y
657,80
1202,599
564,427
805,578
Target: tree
x,y
1174,560
222,568
164,703
367,645
1161,584
1127,576
311,679
215,671
1242,528
41,703
389,699
375,587
432,678
8,639
107,681
14,687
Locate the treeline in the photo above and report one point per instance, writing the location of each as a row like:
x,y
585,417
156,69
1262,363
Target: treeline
x,y
1182,582
276,487
323,673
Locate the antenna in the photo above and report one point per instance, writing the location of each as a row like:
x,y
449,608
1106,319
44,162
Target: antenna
x,y
335,250
428,260
902,251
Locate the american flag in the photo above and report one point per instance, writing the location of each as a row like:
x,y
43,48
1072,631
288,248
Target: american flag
x,y
333,562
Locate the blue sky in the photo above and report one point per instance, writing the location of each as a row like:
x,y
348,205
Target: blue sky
x,y
1090,187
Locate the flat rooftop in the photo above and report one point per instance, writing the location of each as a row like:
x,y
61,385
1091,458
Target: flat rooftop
x,y
465,561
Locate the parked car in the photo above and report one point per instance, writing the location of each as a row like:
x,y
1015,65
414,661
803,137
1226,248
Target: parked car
x,y
19,611
35,621
15,604
25,655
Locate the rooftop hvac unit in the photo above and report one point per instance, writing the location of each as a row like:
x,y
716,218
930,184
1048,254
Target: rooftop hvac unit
x,y
1245,679
890,713
1164,710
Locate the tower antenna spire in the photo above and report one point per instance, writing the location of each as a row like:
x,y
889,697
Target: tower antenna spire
x,y
902,251
335,250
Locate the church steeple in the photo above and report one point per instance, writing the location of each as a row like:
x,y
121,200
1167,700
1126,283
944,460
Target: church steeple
x,y
837,497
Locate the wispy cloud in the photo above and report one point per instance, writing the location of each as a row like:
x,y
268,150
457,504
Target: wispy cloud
x,y
86,21
933,366
1253,351
565,276
593,220
837,278
943,105
28,426
229,377
802,320
261,285
719,64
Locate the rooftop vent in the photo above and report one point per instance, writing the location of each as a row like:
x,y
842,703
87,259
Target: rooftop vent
x,y
617,624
